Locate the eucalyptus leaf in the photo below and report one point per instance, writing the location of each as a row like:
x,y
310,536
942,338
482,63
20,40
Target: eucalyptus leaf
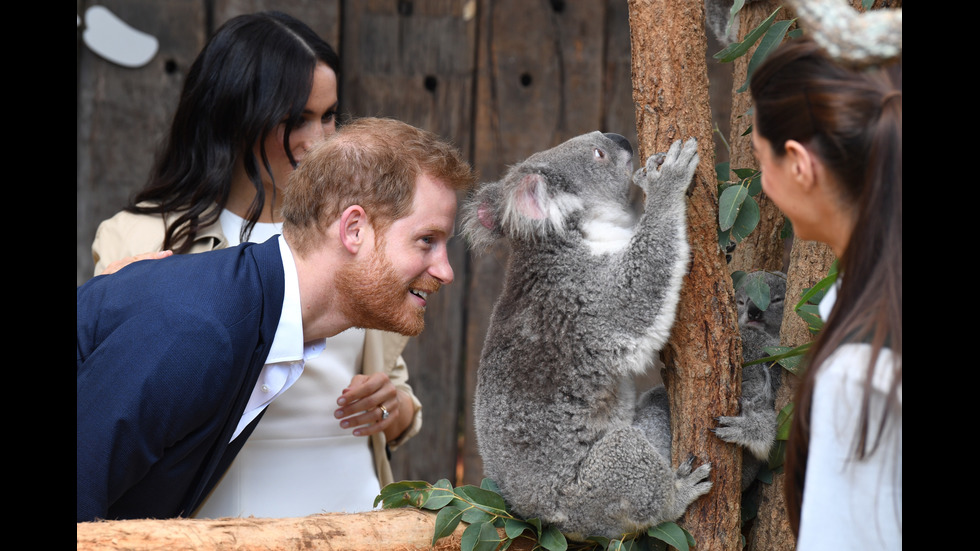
x,y
744,173
722,171
670,533
514,527
777,456
747,219
755,183
774,37
440,495
446,522
481,536
738,49
736,5
811,316
485,499
552,539
411,493
489,485
783,421
758,291
729,204
738,278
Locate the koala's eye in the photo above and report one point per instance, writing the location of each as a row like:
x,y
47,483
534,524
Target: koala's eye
x,y
598,153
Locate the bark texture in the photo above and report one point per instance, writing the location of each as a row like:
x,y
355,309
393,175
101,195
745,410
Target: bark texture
x,y
703,357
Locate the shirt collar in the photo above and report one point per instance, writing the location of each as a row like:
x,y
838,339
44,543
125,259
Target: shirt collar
x,y
288,343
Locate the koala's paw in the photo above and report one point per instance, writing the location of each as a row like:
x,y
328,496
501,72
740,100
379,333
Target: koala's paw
x,y
669,173
691,485
755,430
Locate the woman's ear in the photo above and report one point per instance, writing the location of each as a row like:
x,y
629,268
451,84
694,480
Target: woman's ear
x,y
353,228
801,161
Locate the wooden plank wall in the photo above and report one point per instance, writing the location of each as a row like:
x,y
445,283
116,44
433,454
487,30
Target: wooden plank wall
x,y
501,79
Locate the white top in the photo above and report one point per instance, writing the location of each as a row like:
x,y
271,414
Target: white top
x,y
288,352
850,504
298,461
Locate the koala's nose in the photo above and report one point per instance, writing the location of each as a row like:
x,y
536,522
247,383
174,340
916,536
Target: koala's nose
x,y
621,141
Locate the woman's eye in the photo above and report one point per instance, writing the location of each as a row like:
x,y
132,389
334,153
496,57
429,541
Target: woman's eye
x,y
598,153
328,117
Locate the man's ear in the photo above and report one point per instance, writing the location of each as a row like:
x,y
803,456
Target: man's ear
x,y
353,228
801,162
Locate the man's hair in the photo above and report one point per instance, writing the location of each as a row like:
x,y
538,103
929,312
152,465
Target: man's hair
x,y
371,162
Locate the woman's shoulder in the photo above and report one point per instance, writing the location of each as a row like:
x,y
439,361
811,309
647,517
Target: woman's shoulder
x,y
129,233
850,362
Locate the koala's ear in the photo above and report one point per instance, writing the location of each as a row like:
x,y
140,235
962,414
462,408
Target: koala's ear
x,y
530,197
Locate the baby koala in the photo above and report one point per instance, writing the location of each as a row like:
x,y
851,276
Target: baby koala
x,y
588,299
755,426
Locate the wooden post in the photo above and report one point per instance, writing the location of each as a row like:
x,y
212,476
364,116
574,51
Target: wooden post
x,y
386,530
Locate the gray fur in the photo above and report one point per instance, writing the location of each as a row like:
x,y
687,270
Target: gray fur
x,y
755,427
588,299
717,16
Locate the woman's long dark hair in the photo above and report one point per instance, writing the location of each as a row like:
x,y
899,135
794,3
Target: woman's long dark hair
x,y
255,72
852,120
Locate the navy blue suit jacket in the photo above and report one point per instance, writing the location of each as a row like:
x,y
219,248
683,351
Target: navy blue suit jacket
x,y
168,354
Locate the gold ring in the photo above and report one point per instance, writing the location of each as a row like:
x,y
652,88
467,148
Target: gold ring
x,y
384,412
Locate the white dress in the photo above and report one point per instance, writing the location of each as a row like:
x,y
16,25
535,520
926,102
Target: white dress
x,y
850,504
298,461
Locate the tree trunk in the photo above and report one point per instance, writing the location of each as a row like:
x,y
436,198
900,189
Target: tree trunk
x,y
392,529
703,358
763,248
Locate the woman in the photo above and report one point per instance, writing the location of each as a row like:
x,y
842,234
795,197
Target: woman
x,y
829,143
261,92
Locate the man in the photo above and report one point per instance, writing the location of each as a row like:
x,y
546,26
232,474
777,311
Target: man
x,y
177,358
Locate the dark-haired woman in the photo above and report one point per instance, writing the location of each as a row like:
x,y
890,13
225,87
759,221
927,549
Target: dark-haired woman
x,y
259,95
829,143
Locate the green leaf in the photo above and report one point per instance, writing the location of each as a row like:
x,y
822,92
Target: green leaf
x,y
411,493
722,171
758,290
811,315
747,219
514,527
729,205
783,421
738,277
773,38
744,173
866,4
440,496
670,533
777,456
738,49
446,522
552,539
815,294
486,499
755,183
490,485
481,536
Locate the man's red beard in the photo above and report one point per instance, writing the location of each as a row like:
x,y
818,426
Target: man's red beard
x,y
375,298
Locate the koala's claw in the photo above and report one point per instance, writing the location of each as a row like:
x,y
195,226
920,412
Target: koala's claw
x,y
672,170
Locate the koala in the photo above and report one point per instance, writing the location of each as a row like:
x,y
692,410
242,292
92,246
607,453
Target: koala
x,y
717,14
589,296
755,427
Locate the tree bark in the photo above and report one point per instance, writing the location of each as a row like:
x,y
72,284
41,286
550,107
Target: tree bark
x,y
763,248
386,530
703,358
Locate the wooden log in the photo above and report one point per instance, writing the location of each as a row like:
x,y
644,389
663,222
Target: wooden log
x,y
391,529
